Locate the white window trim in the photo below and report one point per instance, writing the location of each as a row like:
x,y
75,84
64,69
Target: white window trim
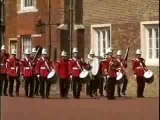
x,y
93,35
27,9
23,42
9,47
143,43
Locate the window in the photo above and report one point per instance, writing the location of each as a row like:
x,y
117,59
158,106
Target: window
x,y
150,43
27,6
100,38
13,45
28,3
26,44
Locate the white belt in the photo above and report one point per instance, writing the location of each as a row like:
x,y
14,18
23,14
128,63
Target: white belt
x,y
27,68
75,68
43,68
139,67
12,68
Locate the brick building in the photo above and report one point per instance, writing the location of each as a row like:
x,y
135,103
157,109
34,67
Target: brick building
x,y
98,24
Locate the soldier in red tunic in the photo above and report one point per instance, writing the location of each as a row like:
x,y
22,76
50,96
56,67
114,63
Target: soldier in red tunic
x,y
139,68
110,70
34,62
43,68
122,65
75,68
13,72
104,68
103,73
28,73
63,73
3,57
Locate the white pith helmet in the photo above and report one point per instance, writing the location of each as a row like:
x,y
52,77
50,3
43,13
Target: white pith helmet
x,y
138,52
3,47
34,50
91,52
109,50
63,53
27,51
75,50
119,52
44,51
13,52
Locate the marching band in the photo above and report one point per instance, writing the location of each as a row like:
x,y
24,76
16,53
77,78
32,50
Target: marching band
x,y
39,73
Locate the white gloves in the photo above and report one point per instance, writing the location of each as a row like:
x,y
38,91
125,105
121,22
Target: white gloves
x,y
107,76
71,77
38,76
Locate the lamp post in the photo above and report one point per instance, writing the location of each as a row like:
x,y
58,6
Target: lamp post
x,y
49,23
2,19
70,26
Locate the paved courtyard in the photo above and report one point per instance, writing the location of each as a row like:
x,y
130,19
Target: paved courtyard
x,y
125,108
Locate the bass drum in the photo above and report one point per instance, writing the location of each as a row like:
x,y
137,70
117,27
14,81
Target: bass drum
x,y
52,77
95,66
84,75
148,76
119,78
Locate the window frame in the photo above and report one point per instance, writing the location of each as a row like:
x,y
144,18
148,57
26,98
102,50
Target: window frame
x,y
22,39
96,28
24,8
144,45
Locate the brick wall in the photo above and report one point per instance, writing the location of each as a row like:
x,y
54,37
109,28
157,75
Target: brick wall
x,y
125,17
11,21
24,23
119,11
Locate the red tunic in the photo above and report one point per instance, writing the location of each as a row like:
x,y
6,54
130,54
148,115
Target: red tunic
x,y
75,67
13,67
43,67
112,67
27,68
139,66
122,64
34,64
104,67
62,68
3,58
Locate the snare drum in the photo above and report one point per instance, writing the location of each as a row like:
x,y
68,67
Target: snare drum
x,y
84,75
149,77
52,77
119,77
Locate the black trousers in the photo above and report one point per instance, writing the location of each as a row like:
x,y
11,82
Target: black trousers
x,y
111,87
92,86
3,84
29,86
37,85
119,89
64,87
88,88
124,87
77,86
125,83
140,86
11,85
101,84
45,86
